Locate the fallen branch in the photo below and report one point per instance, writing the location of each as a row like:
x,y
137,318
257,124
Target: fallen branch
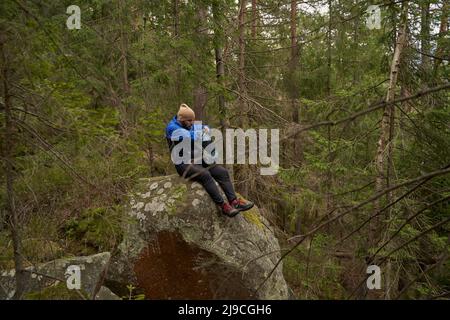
x,y
378,105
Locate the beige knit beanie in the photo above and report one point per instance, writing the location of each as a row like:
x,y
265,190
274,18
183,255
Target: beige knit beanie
x,y
185,113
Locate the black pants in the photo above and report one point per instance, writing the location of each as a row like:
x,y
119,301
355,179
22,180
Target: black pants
x,y
206,175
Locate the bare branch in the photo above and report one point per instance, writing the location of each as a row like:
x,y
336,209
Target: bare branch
x,y
378,105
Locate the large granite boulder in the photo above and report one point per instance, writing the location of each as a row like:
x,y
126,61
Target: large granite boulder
x,y
67,279
177,245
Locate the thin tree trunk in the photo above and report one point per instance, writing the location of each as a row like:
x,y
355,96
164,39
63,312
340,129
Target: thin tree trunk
x,y
244,171
220,68
123,51
150,157
176,32
294,93
294,85
9,145
126,115
329,174
381,155
443,28
330,8
200,99
220,73
425,34
254,20
339,44
176,18
383,159
200,92
294,61
356,41
241,78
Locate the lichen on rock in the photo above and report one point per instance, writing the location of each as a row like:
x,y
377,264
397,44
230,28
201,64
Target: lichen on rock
x,y
48,280
181,246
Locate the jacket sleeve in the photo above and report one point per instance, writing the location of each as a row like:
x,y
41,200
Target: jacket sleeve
x,y
175,132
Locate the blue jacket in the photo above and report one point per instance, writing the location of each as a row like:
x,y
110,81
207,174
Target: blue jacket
x,y
175,133
173,126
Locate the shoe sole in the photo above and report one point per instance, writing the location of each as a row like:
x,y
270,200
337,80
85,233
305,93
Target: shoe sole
x,y
246,209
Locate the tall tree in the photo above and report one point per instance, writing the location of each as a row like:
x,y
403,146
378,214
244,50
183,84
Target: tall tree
x,y
294,89
9,145
254,17
443,29
384,155
425,36
244,174
126,111
329,31
200,93
219,38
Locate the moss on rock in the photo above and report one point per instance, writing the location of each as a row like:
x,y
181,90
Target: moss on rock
x,y
58,291
252,216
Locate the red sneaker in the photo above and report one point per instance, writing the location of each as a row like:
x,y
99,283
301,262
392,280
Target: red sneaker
x,y
229,210
242,205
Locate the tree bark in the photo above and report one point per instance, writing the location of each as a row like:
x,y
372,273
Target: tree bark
x,y
220,73
425,34
383,159
294,85
425,46
244,171
125,110
176,18
381,155
254,18
9,145
200,99
294,61
330,10
329,178
200,92
241,79
176,32
443,28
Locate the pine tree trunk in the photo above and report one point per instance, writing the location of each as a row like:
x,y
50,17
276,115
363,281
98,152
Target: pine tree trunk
x,y
254,18
126,112
244,171
330,11
176,32
425,48
176,18
443,28
200,99
425,34
328,88
200,92
9,145
241,78
220,73
294,90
